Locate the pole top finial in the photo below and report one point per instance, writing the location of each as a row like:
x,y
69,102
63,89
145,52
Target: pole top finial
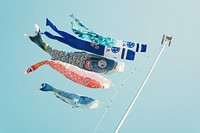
x,y
166,39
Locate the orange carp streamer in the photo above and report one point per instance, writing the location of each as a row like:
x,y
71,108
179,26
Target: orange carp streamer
x,y
80,76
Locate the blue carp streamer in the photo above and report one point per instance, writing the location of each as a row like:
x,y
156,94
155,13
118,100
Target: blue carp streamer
x,y
123,49
83,60
77,101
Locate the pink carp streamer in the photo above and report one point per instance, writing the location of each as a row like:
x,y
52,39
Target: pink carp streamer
x,y
80,76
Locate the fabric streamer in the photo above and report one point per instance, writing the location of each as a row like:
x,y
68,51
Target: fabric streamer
x,y
119,51
80,76
96,38
90,35
83,60
77,101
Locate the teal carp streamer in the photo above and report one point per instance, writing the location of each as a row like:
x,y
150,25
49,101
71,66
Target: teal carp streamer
x,y
86,33
77,101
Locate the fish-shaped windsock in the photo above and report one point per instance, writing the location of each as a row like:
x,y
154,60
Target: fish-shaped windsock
x,y
80,76
122,49
83,60
83,32
99,39
77,101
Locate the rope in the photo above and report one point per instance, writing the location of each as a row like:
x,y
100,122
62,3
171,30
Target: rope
x,y
138,93
116,93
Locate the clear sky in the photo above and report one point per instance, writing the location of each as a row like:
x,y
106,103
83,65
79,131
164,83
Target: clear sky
x,y
170,100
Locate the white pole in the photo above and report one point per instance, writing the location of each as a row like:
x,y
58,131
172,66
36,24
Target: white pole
x,y
138,93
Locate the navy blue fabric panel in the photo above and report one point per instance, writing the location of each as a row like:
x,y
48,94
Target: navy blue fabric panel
x,y
144,48
130,55
122,55
62,33
137,47
77,44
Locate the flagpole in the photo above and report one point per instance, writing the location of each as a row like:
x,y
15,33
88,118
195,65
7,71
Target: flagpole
x,y
165,40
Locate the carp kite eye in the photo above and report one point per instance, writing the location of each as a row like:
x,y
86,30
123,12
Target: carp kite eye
x,y
87,99
43,85
102,64
86,81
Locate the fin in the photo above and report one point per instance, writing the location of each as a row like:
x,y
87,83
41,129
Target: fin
x,y
120,67
57,97
60,97
46,87
76,101
37,39
48,22
74,106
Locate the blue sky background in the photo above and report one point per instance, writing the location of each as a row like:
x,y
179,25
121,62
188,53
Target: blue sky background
x,y
170,100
